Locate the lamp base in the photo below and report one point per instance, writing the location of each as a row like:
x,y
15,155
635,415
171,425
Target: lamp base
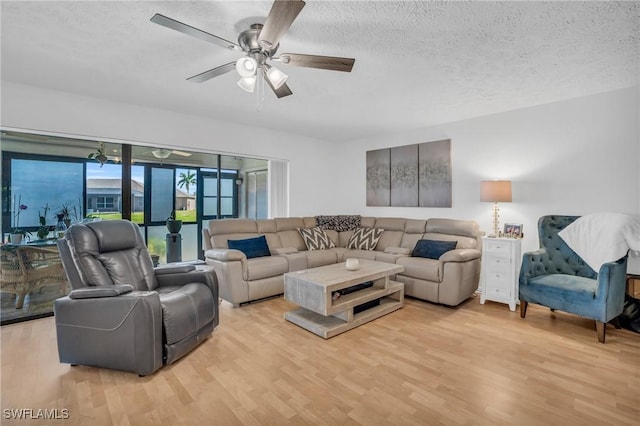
x,y
496,220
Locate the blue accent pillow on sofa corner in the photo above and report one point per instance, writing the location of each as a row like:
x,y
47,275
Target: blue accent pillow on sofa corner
x,y
251,247
433,249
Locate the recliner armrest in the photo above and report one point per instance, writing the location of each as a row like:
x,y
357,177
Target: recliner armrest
x,y
205,277
460,255
127,328
100,291
173,269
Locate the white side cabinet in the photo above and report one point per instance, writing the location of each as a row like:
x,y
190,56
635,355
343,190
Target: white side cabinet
x,y
500,270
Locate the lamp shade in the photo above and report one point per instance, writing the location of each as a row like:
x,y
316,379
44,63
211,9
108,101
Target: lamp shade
x,y
247,83
495,191
246,67
276,77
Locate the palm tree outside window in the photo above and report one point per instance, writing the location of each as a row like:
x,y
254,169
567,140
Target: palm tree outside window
x,y
186,187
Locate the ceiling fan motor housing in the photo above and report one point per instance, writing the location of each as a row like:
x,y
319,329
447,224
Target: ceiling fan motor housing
x,y
248,40
259,43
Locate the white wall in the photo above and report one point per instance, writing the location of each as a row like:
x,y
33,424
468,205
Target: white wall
x,y
572,157
48,111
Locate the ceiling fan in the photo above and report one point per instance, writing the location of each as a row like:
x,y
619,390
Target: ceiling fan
x,y
163,153
259,44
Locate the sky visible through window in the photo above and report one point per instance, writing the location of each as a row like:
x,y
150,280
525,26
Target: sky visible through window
x,y
113,171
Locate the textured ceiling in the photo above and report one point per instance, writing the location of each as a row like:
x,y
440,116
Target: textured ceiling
x,y
417,63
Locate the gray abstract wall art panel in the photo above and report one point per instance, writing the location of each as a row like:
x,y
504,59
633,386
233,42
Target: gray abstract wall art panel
x,y
404,176
435,174
378,180
410,175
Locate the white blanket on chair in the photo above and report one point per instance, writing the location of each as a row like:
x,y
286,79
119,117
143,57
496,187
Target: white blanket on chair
x,y
602,237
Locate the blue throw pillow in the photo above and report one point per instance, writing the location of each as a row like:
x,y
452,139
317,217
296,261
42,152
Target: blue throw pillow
x,y
433,249
251,247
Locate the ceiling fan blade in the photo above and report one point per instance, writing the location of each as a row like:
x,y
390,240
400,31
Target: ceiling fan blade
x,y
183,153
193,31
281,91
280,18
208,75
332,63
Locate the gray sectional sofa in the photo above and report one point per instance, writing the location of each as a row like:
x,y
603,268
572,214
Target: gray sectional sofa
x,y
449,280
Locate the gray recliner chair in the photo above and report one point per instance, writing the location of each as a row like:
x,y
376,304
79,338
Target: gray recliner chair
x,y
123,313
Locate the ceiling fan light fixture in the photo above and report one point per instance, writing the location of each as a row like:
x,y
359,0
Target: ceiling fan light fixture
x,y
276,77
247,84
161,153
246,66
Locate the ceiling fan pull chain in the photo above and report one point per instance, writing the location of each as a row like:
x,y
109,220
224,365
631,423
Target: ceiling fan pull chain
x,y
260,89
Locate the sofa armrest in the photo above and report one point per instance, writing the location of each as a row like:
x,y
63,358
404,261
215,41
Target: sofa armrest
x,y
532,265
100,291
225,255
611,286
460,255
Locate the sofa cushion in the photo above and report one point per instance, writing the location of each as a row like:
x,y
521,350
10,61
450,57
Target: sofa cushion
x,y
361,254
266,225
398,250
343,238
321,257
386,257
432,249
233,226
292,238
409,241
391,223
289,223
464,228
251,247
316,239
421,268
266,267
389,239
365,238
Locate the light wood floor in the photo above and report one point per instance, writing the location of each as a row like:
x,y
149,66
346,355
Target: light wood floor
x,y
424,364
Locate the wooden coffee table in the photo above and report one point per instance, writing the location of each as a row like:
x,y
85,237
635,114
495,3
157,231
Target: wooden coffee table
x,y
311,289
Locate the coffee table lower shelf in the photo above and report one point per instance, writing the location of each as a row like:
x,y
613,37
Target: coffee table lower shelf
x,y
329,326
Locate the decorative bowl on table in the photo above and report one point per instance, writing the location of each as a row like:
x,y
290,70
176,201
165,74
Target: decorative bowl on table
x,y
352,265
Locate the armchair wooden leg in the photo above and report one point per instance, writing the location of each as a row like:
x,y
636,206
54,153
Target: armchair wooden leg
x,y
616,323
523,308
601,329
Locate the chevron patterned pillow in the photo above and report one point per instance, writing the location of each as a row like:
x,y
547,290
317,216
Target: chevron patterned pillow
x,y
316,238
365,238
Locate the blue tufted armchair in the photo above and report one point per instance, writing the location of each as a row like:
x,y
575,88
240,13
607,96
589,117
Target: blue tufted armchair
x,y
556,277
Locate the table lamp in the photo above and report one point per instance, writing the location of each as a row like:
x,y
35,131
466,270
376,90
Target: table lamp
x,y
495,191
